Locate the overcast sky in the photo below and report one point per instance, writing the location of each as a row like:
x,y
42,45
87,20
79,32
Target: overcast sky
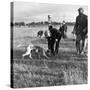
x,y
29,12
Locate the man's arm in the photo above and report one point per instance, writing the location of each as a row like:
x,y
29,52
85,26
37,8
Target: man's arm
x,y
76,25
85,30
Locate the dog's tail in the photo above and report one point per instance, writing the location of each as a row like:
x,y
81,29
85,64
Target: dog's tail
x,y
20,45
25,46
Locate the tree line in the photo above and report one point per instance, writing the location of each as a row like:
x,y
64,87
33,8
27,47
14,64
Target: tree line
x,y
38,23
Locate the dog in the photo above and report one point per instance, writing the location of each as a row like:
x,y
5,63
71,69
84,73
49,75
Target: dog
x,y
39,50
40,33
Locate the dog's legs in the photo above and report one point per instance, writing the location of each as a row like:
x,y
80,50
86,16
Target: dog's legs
x,y
27,53
39,56
30,56
45,54
37,51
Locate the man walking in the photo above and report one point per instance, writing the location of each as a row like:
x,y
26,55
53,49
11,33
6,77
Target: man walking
x,y
80,30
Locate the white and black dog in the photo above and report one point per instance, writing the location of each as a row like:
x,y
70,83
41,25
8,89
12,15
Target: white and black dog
x,y
40,33
39,50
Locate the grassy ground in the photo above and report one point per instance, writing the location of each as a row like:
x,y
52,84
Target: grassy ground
x,y
66,68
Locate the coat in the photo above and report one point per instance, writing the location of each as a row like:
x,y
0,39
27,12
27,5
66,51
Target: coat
x,y
81,25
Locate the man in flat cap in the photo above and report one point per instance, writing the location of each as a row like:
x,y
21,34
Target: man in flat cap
x,y
53,40
80,30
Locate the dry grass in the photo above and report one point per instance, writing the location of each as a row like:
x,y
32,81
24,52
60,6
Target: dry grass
x,y
66,68
26,75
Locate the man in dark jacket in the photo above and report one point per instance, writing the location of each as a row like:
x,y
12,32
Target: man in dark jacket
x,y
80,30
54,39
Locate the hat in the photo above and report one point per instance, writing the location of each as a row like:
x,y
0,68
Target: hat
x,y
63,22
80,9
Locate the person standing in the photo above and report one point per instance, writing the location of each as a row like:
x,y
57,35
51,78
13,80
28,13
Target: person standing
x,y
48,34
49,20
54,39
63,29
80,30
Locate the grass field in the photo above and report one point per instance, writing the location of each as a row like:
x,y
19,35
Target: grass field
x,y
66,68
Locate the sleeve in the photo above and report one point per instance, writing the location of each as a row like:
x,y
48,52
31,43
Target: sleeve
x,y
76,24
87,23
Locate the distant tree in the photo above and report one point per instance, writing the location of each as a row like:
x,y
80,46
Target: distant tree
x,y
19,24
46,22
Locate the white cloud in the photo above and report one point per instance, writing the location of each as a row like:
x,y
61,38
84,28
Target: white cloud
x,y
28,12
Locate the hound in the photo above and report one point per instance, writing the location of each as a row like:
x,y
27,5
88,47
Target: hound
x,y
39,33
39,50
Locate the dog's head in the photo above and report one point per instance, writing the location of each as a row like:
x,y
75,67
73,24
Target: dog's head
x,y
31,45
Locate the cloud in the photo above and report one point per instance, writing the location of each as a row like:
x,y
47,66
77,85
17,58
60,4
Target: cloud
x,y
28,12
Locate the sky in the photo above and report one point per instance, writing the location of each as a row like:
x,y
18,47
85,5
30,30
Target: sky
x,y
36,12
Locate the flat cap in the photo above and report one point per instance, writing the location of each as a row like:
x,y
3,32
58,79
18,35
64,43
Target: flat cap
x,y
80,9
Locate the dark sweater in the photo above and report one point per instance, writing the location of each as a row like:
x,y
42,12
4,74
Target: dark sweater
x,y
55,33
81,24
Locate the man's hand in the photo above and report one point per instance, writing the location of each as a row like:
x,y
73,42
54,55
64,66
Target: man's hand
x,y
84,30
73,32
